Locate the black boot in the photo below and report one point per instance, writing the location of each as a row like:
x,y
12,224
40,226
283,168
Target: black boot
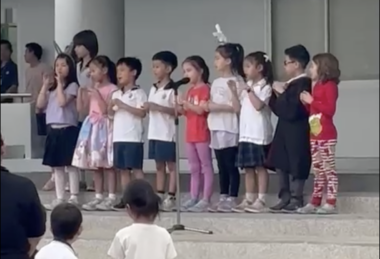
x,y
284,194
294,204
297,200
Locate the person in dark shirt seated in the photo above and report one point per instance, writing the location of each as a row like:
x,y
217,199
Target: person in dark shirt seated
x,y
22,215
9,75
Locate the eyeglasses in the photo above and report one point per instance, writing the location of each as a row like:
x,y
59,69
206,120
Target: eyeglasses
x,y
288,62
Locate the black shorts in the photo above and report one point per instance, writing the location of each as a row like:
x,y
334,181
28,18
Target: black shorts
x,y
162,151
59,146
251,155
128,155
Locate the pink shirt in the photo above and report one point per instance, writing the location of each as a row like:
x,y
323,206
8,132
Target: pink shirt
x,y
105,93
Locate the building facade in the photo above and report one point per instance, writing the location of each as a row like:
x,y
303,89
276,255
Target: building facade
x,y
347,28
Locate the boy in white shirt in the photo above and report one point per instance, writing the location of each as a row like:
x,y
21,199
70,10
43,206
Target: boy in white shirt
x,y
66,226
127,109
143,239
161,133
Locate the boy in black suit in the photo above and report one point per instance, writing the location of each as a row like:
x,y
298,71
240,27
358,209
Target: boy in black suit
x,y
290,153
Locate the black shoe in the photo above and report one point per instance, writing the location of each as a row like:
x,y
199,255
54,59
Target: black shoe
x,y
280,206
294,205
119,206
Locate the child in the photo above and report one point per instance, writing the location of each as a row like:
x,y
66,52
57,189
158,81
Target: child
x,y
85,48
58,98
127,107
256,131
143,239
94,147
222,121
161,133
66,226
290,151
197,133
325,73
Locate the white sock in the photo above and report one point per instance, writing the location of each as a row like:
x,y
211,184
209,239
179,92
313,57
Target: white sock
x,y
262,197
112,196
74,196
99,196
250,197
73,179
59,177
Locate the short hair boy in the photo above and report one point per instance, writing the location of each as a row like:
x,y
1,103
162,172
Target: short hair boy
x,y
290,153
127,107
161,133
66,226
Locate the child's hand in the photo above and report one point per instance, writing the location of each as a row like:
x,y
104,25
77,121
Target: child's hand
x,y
306,97
59,80
117,102
232,85
145,106
279,87
153,106
47,81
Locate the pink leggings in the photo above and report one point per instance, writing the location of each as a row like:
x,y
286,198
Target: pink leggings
x,y
200,162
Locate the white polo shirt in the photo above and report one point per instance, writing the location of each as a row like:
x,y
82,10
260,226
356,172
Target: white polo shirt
x,y
126,126
142,241
56,250
161,125
220,93
256,126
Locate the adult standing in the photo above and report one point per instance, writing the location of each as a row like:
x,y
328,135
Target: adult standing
x,y
22,215
86,47
9,74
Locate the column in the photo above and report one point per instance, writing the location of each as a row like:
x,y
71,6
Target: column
x,y
104,17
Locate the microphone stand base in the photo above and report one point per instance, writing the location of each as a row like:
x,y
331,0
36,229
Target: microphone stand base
x,y
180,227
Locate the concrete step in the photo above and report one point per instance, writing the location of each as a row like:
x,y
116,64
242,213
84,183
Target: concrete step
x,y
349,181
192,246
348,203
104,225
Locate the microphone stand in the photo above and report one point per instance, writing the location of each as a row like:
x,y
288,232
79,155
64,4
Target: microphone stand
x,y
179,226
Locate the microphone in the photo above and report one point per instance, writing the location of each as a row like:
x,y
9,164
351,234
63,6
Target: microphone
x,y
183,81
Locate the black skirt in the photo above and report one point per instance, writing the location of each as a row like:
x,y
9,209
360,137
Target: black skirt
x,y
251,155
59,146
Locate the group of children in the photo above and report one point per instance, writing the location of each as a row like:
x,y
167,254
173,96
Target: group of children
x,y
232,116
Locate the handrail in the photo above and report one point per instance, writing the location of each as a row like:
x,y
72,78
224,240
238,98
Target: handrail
x,y
17,95
21,96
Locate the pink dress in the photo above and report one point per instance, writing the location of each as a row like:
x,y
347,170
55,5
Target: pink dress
x,y
94,148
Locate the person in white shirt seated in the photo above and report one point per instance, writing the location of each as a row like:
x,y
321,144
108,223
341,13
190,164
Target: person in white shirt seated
x,y
66,226
143,239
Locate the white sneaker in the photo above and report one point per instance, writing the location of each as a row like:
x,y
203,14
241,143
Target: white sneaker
x,y
257,207
242,206
91,206
74,200
53,204
106,205
168,204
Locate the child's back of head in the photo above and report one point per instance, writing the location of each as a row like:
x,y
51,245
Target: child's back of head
x,y
66,225
66,222
143,239
142,202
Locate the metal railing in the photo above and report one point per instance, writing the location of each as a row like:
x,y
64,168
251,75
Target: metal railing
x,y
17,96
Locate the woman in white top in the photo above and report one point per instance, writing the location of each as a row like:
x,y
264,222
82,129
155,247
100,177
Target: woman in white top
x,y
256,131
222,121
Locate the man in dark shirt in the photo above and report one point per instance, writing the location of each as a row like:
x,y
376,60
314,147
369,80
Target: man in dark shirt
x,y
22,216
9,75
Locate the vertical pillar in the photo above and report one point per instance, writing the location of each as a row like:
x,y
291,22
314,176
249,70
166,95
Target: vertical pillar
x,y
104,17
